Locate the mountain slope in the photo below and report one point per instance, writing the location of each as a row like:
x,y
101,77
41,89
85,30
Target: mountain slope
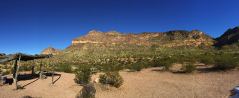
x,y
231,36
175,38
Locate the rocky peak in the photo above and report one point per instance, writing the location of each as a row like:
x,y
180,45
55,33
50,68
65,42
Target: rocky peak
x,y
94,32
50,50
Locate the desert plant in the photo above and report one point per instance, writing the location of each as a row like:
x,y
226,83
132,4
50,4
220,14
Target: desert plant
x,y
207,58
63,68
111,66
188,68
111,78
88,91
166,62
83,74
225,62
136,66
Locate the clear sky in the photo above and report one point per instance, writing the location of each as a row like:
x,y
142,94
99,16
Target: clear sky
x,y
29,26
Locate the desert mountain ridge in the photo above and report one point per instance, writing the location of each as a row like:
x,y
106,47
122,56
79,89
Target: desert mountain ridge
x,y
169,39
165,39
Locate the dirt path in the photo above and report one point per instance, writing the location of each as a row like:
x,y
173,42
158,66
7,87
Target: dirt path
x,y
144,84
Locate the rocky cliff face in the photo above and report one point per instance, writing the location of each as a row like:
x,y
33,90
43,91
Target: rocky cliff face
x,y
231,36
50,50
177,38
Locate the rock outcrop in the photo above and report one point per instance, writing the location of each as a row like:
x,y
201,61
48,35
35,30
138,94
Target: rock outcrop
x,y
166,39
50,50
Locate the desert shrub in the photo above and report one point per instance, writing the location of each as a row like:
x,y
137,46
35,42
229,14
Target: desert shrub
x,y
7,72
207,60
111,78
111,66
83,74
88,91
138,66
63,68
188,68
166,62
225,62
25,68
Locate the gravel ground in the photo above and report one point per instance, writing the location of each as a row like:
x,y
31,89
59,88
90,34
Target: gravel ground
x,y
154,84
144,84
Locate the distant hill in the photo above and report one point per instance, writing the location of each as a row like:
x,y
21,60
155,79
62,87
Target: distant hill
x,y
177,38
230,37
50,50
2,55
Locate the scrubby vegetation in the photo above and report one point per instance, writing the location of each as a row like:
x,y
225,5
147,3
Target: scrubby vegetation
x,y
138,66
226,61
135,58
64,68
88,91
83,74
188,68
111,78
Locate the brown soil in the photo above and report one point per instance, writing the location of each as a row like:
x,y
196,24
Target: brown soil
x,y
144,84
42,88
156,84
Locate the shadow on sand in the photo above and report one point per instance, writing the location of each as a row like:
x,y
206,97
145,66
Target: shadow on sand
x,y
24,77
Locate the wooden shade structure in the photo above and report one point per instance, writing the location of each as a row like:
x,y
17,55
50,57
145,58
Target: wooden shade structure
x,y
17,58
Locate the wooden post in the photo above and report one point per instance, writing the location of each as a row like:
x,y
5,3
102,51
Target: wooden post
x,y
16,74
52,80
14,69
40,74
33,71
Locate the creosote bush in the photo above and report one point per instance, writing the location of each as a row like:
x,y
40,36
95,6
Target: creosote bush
x,y
111,78
166,62
83,74
136,66
226,62
188,68
207,59
63,68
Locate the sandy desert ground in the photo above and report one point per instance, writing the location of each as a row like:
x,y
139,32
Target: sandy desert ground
x,y
145,84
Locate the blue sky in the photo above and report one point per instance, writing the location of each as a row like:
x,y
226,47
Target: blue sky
x,y
29,26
